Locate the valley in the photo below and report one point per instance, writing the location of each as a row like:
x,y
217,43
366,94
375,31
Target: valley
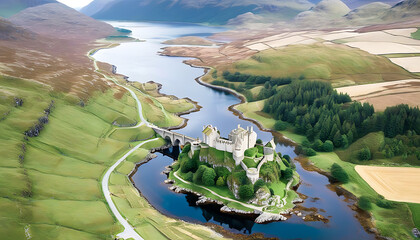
x,y
310,112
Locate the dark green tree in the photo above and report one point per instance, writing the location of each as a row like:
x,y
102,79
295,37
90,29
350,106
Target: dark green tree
x,y
364,154
246,191
339,174
208,177
328,146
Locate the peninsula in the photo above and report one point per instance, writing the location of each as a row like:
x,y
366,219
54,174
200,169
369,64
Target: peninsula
x,y
239,172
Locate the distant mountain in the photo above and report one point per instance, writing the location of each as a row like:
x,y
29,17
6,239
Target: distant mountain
x,y
59,21
215,11
323,13
353,4
403,10
11,7
94,7
372,11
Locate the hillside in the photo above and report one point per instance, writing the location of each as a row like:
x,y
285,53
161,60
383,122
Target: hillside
x,y
373,10
11,7
9,31
218,12
408,9
322,14
59,21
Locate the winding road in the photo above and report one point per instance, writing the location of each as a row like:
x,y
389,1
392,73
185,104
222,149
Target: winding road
x,y
129,231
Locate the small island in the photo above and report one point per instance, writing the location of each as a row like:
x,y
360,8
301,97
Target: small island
x,y
240,172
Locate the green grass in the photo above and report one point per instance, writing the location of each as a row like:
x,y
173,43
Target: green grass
x,y
339,65
63,166
373,141
250,163
415,211
416,35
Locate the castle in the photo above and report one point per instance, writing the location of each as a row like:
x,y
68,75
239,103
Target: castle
x,y
239,140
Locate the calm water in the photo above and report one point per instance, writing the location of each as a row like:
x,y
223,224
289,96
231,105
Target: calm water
x,y
141,62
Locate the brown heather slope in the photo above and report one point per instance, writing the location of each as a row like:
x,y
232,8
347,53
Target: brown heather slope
x,y
30,49
59,21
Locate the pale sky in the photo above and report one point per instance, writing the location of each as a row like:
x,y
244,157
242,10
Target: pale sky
x,y
75,3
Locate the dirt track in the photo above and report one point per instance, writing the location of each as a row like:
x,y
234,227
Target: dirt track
x,y
394,183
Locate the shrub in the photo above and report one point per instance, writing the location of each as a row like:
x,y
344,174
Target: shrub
x,y
306,143
198,175
208,177
251,152
280,126
383,203
287,174
186,148
222,172
259,141
220,182
271,191
339,174
365,154
318,145
189,177
310,152
259,184
364,203
246,191
188,165
287,157
176,166
270,171
328,146
286,162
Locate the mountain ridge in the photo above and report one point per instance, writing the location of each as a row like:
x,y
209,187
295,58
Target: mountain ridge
x,y
60,21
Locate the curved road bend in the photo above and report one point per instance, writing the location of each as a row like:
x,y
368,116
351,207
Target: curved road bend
x,y
129,231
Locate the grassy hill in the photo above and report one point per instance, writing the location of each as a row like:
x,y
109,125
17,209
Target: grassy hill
x,y
340,65
46,182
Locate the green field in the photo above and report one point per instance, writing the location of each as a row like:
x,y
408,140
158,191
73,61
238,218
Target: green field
x,y
416,35
415,211
55,189
50,184
338,64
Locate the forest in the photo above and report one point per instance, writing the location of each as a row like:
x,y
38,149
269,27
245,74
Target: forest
x,y
317,111
328,119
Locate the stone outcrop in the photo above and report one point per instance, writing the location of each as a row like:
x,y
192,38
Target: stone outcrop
x,y
261,197
233,187
204,201
269,217
226,209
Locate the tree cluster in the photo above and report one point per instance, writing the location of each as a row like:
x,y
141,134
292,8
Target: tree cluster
x,y
35,130
325,116
402,145
255,80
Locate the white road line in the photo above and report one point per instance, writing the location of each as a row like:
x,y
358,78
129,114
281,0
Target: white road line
x,y
129,231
